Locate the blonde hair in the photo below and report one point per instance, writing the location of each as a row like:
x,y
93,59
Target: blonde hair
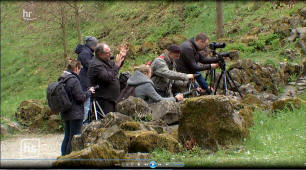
x,y
145,69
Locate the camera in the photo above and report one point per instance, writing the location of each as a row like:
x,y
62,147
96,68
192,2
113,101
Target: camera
x,y
215,45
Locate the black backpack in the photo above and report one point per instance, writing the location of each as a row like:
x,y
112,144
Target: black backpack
x,y
123,78
58,99
126,92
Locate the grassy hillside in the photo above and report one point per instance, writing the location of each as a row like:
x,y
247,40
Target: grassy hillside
x,y
32,54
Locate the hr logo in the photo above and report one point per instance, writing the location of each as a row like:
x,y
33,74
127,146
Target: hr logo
x,y
27,15
30,147
28,11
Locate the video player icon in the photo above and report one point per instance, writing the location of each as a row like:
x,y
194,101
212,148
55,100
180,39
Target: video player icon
x,y
152,164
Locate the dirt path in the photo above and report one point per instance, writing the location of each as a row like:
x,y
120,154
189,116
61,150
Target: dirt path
x,y
31,150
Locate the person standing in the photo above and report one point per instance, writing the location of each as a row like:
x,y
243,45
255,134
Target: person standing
x,y
85,54
74,116
191,57
103,71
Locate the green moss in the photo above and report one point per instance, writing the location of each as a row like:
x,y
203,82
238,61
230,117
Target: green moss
x,y
130,126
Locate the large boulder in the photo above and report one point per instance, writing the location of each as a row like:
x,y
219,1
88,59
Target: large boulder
x,y
168,111
134,107
212,122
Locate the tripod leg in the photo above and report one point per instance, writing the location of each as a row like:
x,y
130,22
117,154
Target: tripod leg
x,y
211,79
217,85
230,76
229,84
224,83
95,109
102,113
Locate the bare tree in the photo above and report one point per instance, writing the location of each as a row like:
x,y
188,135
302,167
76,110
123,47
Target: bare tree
x,y
63,23
55,16
77,8
220,28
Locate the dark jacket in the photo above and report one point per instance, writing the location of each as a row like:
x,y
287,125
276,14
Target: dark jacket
x,y
104,74
76,95
85,54
145,88
190,56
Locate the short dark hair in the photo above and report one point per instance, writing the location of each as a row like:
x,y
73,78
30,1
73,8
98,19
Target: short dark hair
x,y
201,36
174,49
99,49
74,64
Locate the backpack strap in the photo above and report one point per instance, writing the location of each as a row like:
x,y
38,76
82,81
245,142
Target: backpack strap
x,y
66,78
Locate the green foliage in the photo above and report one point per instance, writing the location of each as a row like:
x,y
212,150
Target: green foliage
x,y
272,62
192,10
293,77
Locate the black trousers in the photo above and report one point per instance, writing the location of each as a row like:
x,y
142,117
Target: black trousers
x,y
72,127
107,106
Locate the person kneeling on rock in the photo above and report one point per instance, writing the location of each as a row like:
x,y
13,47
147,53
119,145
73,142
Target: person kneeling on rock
x,y
74,116
145,87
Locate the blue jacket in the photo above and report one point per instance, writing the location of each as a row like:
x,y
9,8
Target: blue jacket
x,y
85,54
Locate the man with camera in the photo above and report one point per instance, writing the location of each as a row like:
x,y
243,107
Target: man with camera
x,y
164,73
191,57
85,54
103,71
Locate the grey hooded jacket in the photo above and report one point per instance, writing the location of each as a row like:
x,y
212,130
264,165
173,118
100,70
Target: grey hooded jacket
x,y
164,74
145,88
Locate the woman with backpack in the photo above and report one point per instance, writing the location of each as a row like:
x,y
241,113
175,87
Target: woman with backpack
x,y
144,87
73,116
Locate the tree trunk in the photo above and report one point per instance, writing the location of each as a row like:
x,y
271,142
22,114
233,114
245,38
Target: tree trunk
x,y
63,27
77,18
220,29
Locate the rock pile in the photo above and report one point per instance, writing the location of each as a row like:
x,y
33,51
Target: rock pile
x,y
35,115
117,137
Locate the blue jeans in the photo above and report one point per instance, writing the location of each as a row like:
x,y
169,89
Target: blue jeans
x,y
71,127
86,109
201,81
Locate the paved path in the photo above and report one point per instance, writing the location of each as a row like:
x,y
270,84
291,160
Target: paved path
x,y
28,150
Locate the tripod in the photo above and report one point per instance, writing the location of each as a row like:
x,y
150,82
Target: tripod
x,y
227,79
96,110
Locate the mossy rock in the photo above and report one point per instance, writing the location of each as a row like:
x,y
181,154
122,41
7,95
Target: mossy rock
x,y
92,157
286,103
130,126
211,122
134,107
147,141
253,101
28,110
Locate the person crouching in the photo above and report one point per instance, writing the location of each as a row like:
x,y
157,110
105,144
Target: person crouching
x,y
145,87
